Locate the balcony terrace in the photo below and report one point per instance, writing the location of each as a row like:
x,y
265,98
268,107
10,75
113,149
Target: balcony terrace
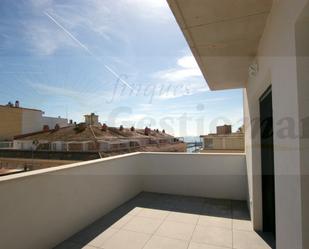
x,y
140,200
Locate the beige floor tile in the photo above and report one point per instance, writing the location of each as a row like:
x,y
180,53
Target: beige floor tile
x,y
143,225
153,213
176,230
135,211
183,217
122,221
157,242
194,245
248,240
101,238
126,240
213,236
245,225
215,221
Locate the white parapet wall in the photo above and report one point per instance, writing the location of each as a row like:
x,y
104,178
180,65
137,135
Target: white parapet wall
x,y
221,176
39,209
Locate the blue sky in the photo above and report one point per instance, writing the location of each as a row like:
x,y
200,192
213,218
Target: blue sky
x,y
125,60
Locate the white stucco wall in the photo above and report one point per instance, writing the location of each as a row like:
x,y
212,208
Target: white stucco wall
x,y
206,175
277,67
40,209
302,51
51,122
31,121
23,145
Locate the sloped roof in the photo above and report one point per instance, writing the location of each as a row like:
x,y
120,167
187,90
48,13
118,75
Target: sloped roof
x,y
72,134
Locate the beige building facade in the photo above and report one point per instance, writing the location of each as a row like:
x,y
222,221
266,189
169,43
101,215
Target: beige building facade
x,y
17,120
224,143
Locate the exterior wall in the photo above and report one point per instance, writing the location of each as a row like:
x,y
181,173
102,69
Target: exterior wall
x,y
11,122
302,52
225,129
17,121
76,147
92,119
51,122
277,67
228,142
23,145
57,146
31,121
56,203
205,175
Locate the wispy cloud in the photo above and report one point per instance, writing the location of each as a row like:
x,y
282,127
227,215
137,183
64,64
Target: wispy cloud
x,y
45,40
103,18
84,99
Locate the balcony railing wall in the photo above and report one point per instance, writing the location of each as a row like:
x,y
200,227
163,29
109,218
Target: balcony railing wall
x,y
39,209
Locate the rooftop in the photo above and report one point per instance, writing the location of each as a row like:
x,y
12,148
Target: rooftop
x,y
71,134
20,108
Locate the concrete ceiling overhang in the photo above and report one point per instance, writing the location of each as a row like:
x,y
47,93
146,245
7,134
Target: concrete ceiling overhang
x,y
223,36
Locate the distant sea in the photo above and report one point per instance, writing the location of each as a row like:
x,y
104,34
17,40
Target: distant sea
x,y
190,139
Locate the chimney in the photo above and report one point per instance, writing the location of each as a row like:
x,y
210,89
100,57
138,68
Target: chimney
x,y
45,128
17,104
104,127
147,131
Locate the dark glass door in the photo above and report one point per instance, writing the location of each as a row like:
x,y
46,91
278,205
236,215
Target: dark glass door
x,y
267,154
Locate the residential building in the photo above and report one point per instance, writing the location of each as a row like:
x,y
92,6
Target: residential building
x,y
16,120
258,45
88,142
224,140
90,138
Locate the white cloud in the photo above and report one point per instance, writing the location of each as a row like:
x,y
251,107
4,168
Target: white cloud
x,y
157,10
186,75
186,68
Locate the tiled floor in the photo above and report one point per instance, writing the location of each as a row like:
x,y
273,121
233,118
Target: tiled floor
x,y
160,221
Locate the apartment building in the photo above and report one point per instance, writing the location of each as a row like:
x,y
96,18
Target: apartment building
x,y
16,120
224,140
